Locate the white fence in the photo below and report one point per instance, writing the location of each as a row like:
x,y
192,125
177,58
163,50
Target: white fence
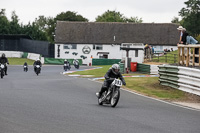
x,y
18,54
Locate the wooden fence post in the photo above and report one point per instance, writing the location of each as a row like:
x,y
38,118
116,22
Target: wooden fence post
x,y
179,57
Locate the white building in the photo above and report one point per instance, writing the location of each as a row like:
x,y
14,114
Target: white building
x,y
89,40
71,51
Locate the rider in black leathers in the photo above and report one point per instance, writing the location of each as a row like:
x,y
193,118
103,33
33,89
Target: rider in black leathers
x,y
4,60
37,62
112,73
67,63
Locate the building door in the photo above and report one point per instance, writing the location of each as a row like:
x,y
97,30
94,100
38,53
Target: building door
x,y
105,56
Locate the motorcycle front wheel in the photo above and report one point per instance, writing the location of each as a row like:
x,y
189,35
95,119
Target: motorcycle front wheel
x,y
115,98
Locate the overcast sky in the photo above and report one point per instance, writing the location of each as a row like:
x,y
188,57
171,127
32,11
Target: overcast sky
x,y
158,11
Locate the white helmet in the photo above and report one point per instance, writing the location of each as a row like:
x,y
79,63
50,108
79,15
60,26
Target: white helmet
x,y
38,59
65,59
115,69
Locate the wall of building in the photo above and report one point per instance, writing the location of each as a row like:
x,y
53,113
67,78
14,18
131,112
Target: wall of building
x,y
113,50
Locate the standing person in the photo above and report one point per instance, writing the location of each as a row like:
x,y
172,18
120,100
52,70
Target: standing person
x,y
4,60
152,50
191,40
180,28
184,36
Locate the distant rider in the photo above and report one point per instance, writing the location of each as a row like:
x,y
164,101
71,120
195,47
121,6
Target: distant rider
x,y
76,63
67,63
37,62
112,73
25,65
4,60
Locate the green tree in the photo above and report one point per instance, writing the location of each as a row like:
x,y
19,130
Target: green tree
x,y
114,16
4,23
111,16
191,17
175,20
70,16
14,27
134,20
63,16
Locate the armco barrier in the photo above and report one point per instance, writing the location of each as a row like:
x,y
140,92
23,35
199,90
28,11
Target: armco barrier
x,y
153,69
182,78
143,68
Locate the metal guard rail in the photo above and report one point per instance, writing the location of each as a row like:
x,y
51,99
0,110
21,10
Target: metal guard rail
x,y
182,78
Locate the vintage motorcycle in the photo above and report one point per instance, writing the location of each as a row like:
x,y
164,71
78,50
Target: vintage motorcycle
x,y
67,66
37,69
112,95
25,68
2,70
76,65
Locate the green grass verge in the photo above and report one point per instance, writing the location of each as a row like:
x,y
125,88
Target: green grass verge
x,y
150,86
144,85
20,61
100,72
96,72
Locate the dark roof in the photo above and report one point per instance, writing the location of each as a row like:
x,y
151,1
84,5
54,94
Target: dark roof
x,y
104,32
13,36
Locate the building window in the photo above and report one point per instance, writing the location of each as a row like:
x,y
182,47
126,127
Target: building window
x,y
97,47
136,53
70,46
103,57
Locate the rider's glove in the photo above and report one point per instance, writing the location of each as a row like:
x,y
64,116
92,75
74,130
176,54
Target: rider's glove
x,y
124,83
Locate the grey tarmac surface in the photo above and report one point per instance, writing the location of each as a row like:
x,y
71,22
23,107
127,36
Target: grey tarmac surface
x,y
54,103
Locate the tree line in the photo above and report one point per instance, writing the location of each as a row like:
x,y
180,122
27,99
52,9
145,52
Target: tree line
x,y
43,28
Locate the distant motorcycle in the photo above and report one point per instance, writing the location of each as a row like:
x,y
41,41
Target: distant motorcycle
x,y
2,70
67,67
38,69
76,65
112,95
25,68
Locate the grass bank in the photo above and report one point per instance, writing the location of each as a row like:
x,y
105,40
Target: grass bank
x,y
20,61
148,86
99,72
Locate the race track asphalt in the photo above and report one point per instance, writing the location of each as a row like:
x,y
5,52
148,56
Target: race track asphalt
x,y
56,103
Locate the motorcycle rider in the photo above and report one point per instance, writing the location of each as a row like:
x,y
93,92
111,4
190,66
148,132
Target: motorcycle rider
x,y
25,65
75,61
4,60
112,73
67,63
37,62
